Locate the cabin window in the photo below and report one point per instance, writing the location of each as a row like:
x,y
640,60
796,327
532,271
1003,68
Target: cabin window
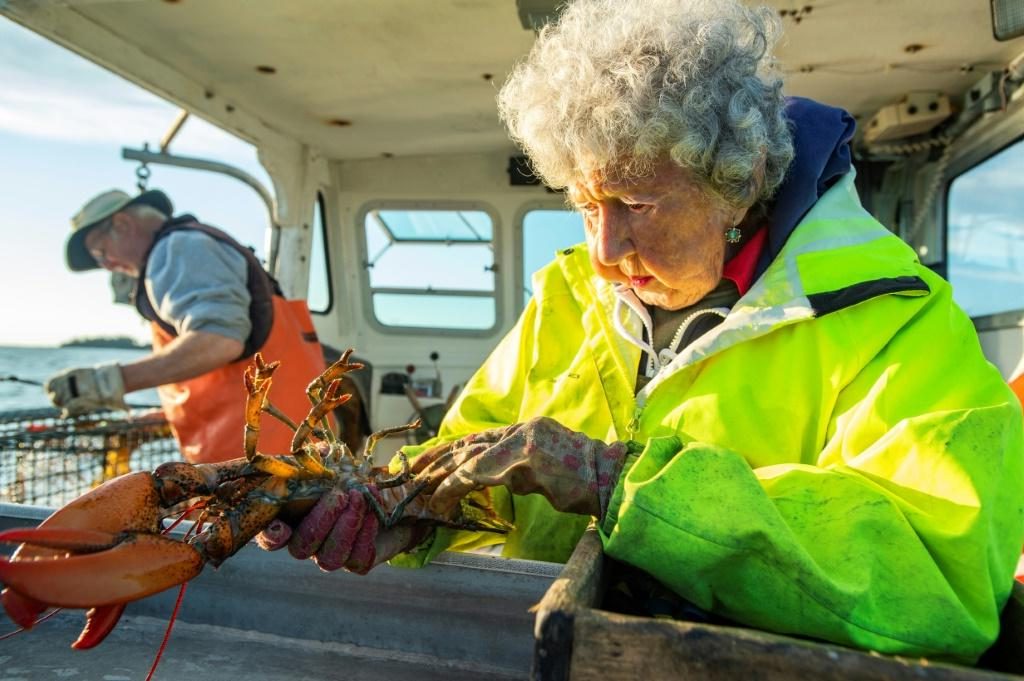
x,y
431,268
545,232
318,296
985,237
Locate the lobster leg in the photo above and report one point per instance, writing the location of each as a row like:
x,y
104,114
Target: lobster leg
x,y
257,385
403,475
315,390
371,442
333,373
332,399
399,510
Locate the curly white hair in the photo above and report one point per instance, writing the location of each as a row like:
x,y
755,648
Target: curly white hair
x,y
616,86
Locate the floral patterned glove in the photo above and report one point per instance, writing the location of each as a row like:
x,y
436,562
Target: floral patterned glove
x,y
575,473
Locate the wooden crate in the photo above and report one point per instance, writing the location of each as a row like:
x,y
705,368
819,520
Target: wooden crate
x,y
577,640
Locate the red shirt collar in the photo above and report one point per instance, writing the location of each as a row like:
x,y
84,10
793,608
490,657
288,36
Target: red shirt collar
x,y
740,268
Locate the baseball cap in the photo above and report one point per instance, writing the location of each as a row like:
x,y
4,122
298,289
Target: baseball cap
x,y
99,208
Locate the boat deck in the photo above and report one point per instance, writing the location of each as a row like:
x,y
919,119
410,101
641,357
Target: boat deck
x,y
198,651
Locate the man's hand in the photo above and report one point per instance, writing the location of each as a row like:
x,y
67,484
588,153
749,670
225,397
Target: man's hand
x,y
78,391
575,473
342,531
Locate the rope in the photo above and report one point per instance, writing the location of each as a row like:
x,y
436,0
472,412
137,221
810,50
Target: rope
x,y
38,621
195,529
167,634
15,379
908,148
911,147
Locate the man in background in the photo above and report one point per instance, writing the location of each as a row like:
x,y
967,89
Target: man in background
x,y
211,306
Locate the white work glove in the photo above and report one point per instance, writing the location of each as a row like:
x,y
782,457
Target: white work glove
x,y
79,391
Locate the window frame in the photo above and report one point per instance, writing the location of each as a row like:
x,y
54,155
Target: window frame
x,y
519,278
433,205
960,167
321,201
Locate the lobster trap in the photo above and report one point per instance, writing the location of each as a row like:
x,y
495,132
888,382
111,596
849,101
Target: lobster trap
x,y
46,460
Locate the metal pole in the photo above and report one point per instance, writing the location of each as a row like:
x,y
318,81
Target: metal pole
x,y
174,130
146,156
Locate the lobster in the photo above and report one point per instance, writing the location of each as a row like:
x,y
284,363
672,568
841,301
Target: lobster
x,y
113,534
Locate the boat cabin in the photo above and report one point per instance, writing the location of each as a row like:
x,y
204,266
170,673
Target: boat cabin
x,y
402,212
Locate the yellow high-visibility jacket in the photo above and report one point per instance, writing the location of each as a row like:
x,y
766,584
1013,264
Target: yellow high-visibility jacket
x,y
836,459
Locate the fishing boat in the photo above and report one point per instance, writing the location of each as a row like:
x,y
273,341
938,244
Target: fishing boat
x,y
376,123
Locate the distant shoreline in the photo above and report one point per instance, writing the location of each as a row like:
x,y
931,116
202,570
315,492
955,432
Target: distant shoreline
x,y
113,342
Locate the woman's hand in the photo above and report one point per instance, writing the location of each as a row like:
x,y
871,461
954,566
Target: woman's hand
x,y
575,473
343,531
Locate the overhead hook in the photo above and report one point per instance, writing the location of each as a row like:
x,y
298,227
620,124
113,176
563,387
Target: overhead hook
x,y
143,172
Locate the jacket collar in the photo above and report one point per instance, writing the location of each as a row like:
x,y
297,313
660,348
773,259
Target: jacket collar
x,y
821,156
838,246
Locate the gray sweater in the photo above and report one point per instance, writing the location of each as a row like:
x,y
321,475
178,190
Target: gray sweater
x,y
197,283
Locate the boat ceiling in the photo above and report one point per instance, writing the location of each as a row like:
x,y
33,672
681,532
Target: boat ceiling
x,y
356,79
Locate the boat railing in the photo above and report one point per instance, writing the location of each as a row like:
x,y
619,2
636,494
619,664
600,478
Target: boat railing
x,y
47,460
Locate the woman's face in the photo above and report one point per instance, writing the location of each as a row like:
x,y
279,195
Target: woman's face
x,y
661,235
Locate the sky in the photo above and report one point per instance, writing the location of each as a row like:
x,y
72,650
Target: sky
x,y
63,123
985,244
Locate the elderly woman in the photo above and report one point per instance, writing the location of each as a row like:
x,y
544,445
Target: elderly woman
x,y
766,401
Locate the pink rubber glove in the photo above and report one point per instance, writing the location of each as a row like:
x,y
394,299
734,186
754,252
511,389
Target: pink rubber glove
x,y
342,531
575,473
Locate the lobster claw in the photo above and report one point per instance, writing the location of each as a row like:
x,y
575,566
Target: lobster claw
x,y
100,551
133,567
98,621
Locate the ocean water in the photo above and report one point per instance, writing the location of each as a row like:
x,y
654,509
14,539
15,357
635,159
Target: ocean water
x,y
39,363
